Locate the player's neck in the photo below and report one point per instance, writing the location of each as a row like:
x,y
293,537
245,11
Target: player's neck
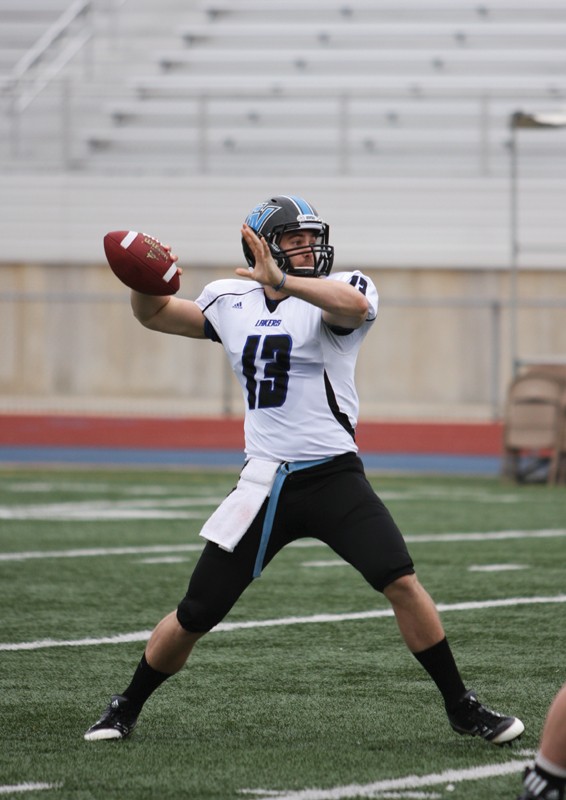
x,y
271,294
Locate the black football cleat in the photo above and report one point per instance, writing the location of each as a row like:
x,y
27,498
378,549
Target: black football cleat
x,y
117,722
470,717
538,787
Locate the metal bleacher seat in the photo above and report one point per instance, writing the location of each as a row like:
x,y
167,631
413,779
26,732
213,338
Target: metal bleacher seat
x,y
415,83
386,34
379,112
379,9
287,134
398,62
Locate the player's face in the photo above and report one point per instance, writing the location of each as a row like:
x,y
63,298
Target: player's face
x,y
299,243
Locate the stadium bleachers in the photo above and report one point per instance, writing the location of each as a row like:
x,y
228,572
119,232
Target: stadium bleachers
x,y
363,89
421,56
387,81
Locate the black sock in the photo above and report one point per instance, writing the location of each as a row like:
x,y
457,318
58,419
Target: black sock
x,y
144,682
440,665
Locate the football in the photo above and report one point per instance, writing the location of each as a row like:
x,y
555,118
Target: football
x,y
141,262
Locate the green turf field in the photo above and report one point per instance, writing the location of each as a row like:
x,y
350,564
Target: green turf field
x,y
300,708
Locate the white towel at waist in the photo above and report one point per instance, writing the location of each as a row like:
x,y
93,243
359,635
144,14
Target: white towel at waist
x,y
236,513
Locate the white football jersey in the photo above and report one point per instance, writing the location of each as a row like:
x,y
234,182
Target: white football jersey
x,y
296,373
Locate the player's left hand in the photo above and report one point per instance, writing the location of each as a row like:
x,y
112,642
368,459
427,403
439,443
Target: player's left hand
x,y
265,270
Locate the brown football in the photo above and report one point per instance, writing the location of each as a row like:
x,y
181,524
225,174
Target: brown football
x,y
141,262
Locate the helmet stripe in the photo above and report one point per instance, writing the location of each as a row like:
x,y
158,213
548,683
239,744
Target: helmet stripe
x,y
302,205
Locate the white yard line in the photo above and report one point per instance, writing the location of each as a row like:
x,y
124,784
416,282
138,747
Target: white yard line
x,y
28,787
337,562
379,788
423,538
100,515
164,560
448,494
88,510
496,567
491,536
102,551
143,636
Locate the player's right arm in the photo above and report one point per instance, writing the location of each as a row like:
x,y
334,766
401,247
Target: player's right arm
x,y
169,314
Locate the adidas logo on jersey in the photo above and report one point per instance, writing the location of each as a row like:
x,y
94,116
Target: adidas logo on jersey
x,y
238,304
268,323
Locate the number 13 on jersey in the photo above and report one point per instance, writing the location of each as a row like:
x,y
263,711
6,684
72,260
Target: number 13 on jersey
x,y
275,354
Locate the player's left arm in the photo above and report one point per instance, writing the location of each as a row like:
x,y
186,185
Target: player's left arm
x,y
343,306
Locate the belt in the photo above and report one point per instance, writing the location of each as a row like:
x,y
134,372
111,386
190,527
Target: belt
x,y
282,471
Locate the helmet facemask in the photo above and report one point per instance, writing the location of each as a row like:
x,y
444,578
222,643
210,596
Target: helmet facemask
x,y
322,252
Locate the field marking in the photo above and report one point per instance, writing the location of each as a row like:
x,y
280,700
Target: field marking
x,y
47,487
473,568
492,536
87,510
100,515
179,548
454,495
102,551
143,636
163,560
379,788
153,505
496,567
29,787
407,795
405,495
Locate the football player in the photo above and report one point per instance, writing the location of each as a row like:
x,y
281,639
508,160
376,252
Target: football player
x,y
292,333
547,779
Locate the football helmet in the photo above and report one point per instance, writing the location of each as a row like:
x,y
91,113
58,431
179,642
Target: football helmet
x,y
282,214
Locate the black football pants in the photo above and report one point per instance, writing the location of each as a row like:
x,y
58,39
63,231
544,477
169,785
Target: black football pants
x,y
333,502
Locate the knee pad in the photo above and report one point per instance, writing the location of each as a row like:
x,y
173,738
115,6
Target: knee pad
x,y
193,617
398,564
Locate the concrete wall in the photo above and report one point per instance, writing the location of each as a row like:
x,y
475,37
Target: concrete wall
x,y
439,350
